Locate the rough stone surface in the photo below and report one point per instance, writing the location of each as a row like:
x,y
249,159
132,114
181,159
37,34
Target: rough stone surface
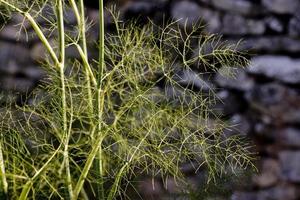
x,y
290,137
238,125
238,25
173,187
234,78
294,26
269,174
270,44
275,193
152,189
186,11
14,33
290,165
9,68
212,19
239,6
281,6
268,95
33,72
289,44
236,6
280,104
279,193
277,67
140,10
225,100
264,131
21,85
190,78
244,196
14,52
274,24
189,13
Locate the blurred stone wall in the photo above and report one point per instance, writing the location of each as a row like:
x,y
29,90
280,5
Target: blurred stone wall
x,y
263,101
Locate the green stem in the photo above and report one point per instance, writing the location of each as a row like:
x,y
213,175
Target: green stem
x,y
28,185
101,40
37,30
87,167
99,161
87,65
42,37
84,46
83,28
75,10
100,99
25,190
66,134
2,172
80,17
124,169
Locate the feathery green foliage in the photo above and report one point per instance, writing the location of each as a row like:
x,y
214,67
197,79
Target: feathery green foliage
x,y
106,121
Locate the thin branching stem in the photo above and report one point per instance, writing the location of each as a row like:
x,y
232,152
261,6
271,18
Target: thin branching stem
x,y
76,11
28,185
80,17
37,30
87,65
87,167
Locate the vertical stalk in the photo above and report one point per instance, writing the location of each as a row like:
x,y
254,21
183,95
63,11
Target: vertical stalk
x,y
80,17
82,27
66,134
2,172
101,40
100,97
99,160
96,155
88,164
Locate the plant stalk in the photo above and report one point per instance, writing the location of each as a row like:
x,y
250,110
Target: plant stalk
x,y
66,133
87,65
100,99
87,167
26,188
101,40
80,17
37,30
2,172
99,161
82,27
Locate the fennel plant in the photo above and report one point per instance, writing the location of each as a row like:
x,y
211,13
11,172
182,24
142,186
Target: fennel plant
x,y
107,120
